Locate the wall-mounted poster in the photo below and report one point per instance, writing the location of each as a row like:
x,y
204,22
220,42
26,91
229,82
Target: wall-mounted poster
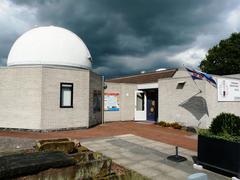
x,y
111,101
228,90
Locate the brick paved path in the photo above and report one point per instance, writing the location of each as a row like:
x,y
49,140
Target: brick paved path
x,y
150,131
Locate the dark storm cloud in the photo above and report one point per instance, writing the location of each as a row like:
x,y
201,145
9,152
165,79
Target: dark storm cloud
x,y
127,36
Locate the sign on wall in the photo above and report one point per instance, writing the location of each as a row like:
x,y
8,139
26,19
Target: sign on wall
x,y
111,101
228,90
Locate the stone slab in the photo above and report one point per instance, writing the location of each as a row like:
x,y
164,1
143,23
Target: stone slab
x,y
23,164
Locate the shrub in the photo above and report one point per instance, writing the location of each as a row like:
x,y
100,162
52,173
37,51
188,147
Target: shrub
x,y
227,137
162,123
227,124
175,125
191,129
167,125
224,126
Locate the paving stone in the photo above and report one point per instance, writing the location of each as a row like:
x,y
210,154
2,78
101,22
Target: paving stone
x,y
124,162
111,154
177,174
149,163
162,177
164,168
151,145
111,147
187,152
125,136
149,172
138,166
152,157
162,145
132,156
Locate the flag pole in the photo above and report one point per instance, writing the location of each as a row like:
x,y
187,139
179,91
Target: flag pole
x,y
200,91
194,82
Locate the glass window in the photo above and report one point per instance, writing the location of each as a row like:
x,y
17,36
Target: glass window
x,y
66,95
140,101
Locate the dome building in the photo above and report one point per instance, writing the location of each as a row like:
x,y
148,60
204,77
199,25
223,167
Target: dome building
x,y
48,82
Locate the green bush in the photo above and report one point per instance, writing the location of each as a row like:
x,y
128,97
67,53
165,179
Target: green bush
x,y
224,126
175,125
162,123
226,123
227,137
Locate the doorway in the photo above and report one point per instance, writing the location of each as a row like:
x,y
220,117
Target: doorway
x,y
140,105
152,104
146,105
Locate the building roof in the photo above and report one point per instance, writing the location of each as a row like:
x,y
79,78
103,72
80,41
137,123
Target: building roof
x,y
49,45
149,77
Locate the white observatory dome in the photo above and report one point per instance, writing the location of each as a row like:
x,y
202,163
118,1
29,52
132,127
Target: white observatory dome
x,y
49,46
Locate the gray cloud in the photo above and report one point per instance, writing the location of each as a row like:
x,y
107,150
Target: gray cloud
x,y
128,36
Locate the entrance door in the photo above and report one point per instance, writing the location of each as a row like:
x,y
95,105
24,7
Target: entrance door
x,y
152,105
140,105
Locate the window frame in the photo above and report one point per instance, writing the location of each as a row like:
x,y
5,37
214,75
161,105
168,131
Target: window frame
x,y
61,94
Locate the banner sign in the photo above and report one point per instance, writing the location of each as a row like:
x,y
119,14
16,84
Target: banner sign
x,y
111,101
228,89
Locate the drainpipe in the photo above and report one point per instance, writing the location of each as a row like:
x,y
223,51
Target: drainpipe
x,y
103,84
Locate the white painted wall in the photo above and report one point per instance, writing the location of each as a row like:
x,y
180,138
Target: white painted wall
x,y
171,98
127,97
54,117
20,97
30,97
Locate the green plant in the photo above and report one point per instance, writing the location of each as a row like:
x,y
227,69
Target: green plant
x,y
223,58
226,124
162,123
176,125
227,137
167,125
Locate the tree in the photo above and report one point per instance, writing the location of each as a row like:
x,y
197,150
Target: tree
x,y
223,58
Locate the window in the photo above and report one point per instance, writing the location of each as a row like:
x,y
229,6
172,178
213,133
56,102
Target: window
x,y
66,95
140,101
180,85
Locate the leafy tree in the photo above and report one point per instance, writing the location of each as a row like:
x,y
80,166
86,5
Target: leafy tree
x,y
223,58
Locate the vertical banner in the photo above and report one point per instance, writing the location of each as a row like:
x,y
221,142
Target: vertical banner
x,y
111,101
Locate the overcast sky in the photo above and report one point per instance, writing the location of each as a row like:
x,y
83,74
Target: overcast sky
x,y
128,36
